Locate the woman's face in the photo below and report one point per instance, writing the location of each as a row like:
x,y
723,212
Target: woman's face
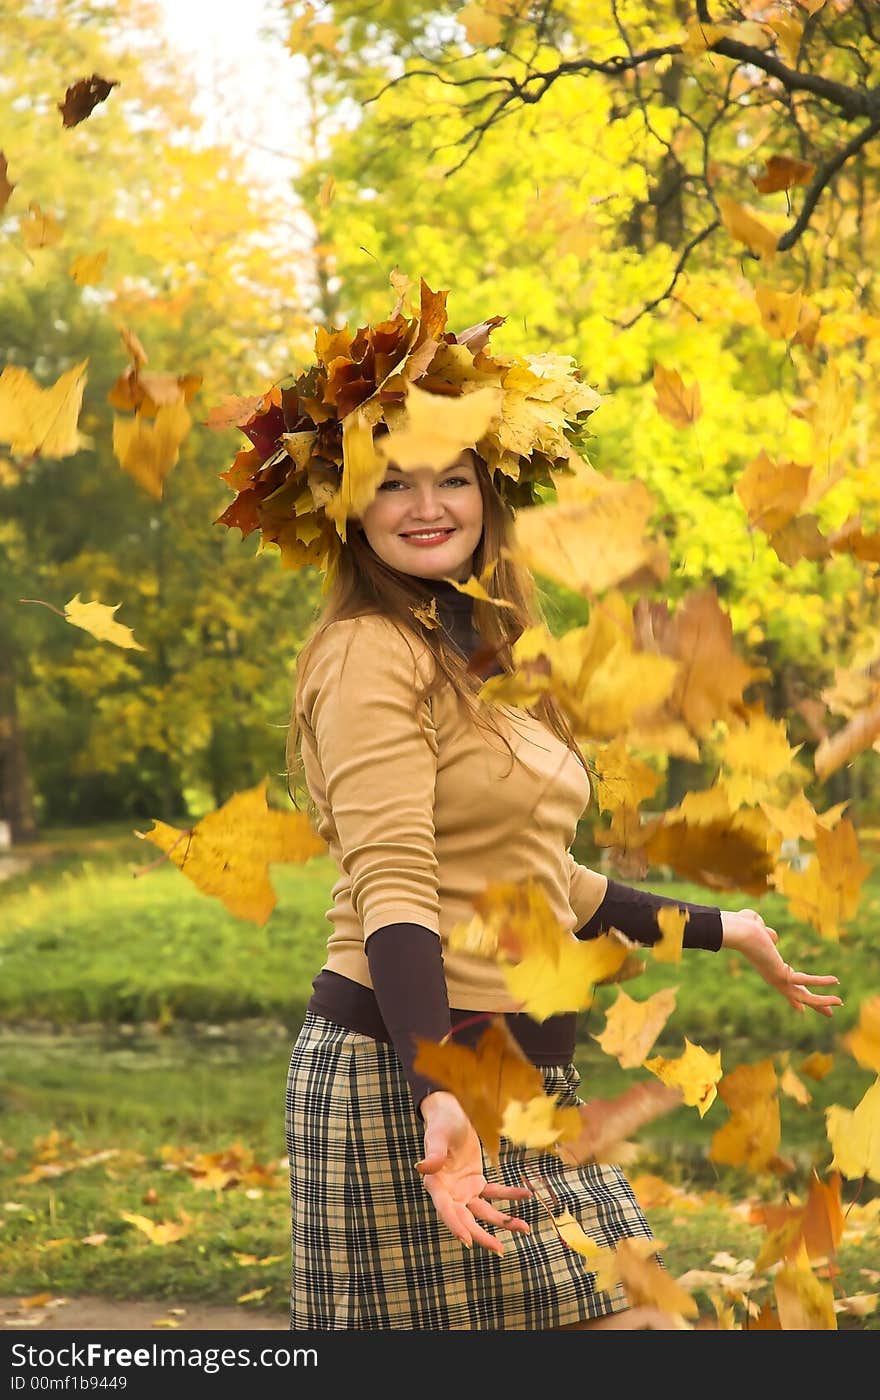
x,y
425,522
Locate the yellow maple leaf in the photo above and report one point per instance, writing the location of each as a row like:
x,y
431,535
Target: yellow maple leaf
x,y
148,450
546,986
745,228
512,918
621,780
227,854
679,405
623,548
41,422
163,1231
803,1301
98,619
735,854
696,1073
772,492
780,311
537,1122
794,1087
827,891
756,753
484,1080
647,1284
631,1027
39,229
858,734
599,1257
88,269
751,1135
817,1065
855,1136
439,428
863,1043
671,923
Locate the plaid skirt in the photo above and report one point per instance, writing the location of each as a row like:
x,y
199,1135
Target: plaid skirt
x,y
369,1251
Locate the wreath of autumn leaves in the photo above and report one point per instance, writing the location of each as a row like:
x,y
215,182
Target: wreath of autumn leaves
x,y
405,390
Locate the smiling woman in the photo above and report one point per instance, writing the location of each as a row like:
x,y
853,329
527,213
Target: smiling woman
x,y
427,523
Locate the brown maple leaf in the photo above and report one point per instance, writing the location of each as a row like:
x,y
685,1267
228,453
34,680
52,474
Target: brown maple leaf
x,y
82,98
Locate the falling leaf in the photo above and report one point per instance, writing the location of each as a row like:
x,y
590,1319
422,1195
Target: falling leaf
x,y
632,1027
82,98
647,1284
39,229
855,1136
863,1043
614,523
679,405
696,1073
6,187
41,422
738,853
538,1122
745,228
671,923
794,1087
604,1124
148,451
621,780
255,1295
817,1065
782,173
780,311
484,1080
88,269
438,429
227,854
855,736
772,492
827,892
545,986
94,1240
98,619
751,1135
803,1301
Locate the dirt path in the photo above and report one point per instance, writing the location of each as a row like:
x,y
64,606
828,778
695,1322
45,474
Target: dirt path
x,y
106,1315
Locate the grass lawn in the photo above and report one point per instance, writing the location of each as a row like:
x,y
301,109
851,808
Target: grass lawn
x,y
145,1034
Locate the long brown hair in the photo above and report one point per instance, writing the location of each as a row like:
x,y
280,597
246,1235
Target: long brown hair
x,y
360,583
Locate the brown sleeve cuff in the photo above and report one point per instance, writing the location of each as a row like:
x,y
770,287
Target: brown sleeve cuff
x,y
634,912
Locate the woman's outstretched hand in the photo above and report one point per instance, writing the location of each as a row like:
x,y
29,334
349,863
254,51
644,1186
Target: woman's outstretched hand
x,y
452,1172
746,932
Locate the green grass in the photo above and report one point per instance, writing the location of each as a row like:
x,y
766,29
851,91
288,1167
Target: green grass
x,y
144,1027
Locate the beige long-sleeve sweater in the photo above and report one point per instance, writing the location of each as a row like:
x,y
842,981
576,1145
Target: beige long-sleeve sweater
x,y
421,818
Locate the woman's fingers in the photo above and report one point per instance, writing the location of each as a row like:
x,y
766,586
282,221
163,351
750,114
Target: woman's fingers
x,y
497,1217
506,1193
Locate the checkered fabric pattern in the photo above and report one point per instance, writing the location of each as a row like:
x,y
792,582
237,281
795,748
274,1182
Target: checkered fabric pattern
x,y
369,1251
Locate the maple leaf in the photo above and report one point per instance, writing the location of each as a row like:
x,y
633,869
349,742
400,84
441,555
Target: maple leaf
x,y
855,1136
671,923
817,1226
88,269
863,1043
537,1122
545,985
817,1065
41,422
227,854
857,735
745,228
647,1283
6,187
751,1135
603,1124
599,1257
772,492
782,173
98,619
82,97
39,229
148,451
233,412
512,918
780,311
621,780
484,1080
756,752
679,405
161,1232
623,549
631,1027
735,854
827,892
804,1303
438,429
695,1073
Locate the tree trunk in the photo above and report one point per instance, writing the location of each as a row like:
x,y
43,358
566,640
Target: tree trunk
x,y
16,793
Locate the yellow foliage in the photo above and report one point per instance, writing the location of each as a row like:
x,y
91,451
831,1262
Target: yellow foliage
x,y
696,1073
